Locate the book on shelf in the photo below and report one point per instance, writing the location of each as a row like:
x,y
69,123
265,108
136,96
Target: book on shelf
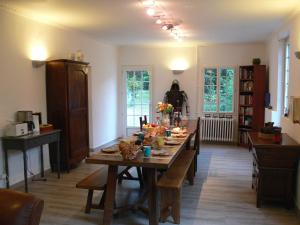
x,y
247,111
243,137
246,74
246,86
246,99
245,121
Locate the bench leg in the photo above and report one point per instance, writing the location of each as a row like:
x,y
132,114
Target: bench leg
x,y
89,201
165,204
175,211
191,173
101,203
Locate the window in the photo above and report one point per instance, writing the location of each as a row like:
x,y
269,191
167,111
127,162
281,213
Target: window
x,y
138,95
219,90
286,77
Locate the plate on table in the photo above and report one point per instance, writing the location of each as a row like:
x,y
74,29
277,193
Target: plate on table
x,y
178,130
180,135
160,153
172,142
110,150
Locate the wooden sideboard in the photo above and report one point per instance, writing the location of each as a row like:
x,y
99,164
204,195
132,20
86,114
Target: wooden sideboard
x,y
274,169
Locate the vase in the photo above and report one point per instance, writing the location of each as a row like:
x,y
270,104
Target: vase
x,y
165,121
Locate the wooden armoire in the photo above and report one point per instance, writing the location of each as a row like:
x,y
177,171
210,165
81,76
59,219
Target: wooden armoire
x,y
67,109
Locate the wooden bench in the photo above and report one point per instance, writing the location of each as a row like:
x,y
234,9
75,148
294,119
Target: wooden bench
x,y
94,181
170,185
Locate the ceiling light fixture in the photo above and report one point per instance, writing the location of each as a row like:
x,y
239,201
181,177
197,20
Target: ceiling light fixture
x,y
151,11
166,21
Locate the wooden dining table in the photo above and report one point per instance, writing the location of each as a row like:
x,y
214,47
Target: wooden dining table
x,y
149,165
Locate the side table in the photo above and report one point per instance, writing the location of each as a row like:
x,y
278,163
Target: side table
x,y
26,142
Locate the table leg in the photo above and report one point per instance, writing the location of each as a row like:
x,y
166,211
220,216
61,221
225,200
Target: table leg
x,y
42,161
153,195
25,170
110,194
58,158
6,168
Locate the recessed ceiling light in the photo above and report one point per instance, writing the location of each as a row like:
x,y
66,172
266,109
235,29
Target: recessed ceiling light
x,y
151,11
158,21
167,26
164,27
148,3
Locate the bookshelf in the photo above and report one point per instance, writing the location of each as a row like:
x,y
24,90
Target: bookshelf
x,y
252,89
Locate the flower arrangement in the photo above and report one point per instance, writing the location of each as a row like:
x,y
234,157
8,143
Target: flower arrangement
x,y
164,108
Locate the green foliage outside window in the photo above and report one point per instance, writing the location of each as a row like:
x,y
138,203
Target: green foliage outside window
x,y
218,90
138,95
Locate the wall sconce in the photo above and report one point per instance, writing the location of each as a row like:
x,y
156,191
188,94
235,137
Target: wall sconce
x,y
178,66
176,72
37,63
297,54
38,56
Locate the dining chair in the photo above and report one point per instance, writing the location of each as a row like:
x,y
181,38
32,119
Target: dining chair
x,y
142,122
196,146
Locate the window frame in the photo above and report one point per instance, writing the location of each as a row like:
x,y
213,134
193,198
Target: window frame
x,y
218,89
124,71
285,87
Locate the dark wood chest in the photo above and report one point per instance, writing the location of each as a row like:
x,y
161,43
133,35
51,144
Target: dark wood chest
x,y
274,169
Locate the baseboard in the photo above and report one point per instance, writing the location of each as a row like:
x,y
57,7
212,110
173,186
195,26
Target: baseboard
x,y
21,184
104,145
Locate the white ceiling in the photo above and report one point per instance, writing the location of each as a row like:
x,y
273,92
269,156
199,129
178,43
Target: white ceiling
x,y
124,22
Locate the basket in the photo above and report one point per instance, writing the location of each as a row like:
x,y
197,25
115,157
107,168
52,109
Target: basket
x,y
129,150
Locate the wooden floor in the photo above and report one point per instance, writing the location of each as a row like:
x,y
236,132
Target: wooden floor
x,y
221,195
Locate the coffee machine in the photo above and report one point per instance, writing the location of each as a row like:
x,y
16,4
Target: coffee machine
x,y
26,117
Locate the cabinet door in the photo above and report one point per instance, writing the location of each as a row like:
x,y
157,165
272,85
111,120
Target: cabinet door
x,y
78,112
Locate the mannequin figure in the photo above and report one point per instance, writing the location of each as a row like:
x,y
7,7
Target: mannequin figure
x,y
177,98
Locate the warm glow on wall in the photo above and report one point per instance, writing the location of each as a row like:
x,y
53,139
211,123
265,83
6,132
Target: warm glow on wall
x,y
179,64
38,52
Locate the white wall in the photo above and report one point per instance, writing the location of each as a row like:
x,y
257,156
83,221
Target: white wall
x,y
292,29
197,57
23,87
160,60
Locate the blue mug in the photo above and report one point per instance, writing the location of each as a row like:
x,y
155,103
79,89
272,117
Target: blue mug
x,y
147,151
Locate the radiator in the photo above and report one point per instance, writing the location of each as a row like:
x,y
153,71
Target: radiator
x,y
217,129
